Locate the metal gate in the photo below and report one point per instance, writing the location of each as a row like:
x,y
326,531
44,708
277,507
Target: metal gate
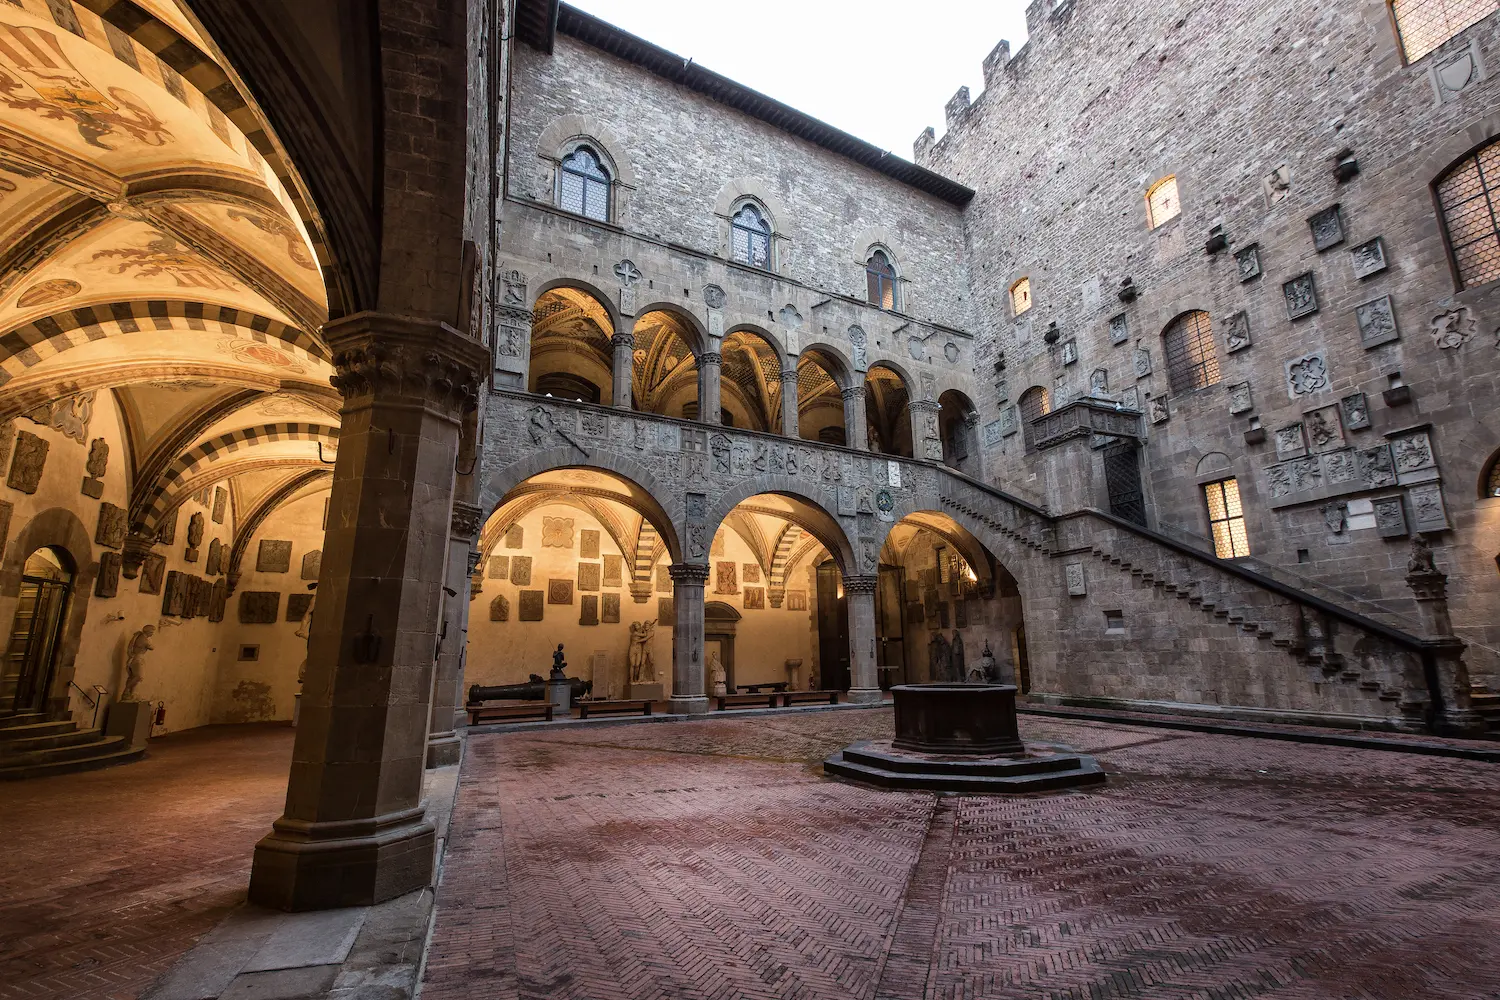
x,y
1122,477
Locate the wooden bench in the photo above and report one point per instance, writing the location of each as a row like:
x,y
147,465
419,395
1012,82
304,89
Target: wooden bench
x,y
791,698
746,700
587,708
481,714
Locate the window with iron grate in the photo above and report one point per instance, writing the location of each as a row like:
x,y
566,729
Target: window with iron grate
x,y
1189,345
1423,25
750,237
1020,296
584,186
880,276
1162,205
1226,518
1469,195
1034,403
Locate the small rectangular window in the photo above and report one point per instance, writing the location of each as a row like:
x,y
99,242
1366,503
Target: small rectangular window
x,y
249,652
1226,519
1114,621
1423,25
1020,296
1162,205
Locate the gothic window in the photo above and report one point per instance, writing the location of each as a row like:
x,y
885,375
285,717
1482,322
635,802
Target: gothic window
x,y
750,237
1162,205
1020,296
1469,194
1226,518
880,276
584,187
1189,345
1035,403
1423,25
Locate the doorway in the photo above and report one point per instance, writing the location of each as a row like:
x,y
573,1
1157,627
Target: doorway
x,y
36,633
890,626
1122,478
719,624
833,630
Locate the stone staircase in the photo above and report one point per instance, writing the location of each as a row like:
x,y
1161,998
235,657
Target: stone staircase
x,y
32,746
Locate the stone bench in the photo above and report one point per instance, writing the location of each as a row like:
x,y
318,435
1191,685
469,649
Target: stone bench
x,y
758,688
791,698
724,701
482,714
625,707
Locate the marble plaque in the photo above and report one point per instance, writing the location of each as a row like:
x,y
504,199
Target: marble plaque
x,y
500,609
499,567
557,532
153,572
663,578
725,578
666,612
520,571
274,556
221,502
609,608
107,583
588,544
755,598
614,568
588,576
531,606
258,607
588,609
312,564
297,605
110,530
559,591
796,600
27,462
750,572
1077,583
515,538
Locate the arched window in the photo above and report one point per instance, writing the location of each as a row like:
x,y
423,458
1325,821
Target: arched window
x,y
1423,25
1469,194
1035,403
584,189
1189,344
1162,205
880,276
750,237
1020,296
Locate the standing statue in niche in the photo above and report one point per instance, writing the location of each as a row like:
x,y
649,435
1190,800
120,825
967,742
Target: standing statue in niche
x,y
135,655
304,630
716,675
937,658
642,667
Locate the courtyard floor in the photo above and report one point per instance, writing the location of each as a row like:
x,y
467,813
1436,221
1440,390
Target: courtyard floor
x,y
712,860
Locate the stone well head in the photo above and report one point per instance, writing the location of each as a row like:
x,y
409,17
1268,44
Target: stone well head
x,y
945,718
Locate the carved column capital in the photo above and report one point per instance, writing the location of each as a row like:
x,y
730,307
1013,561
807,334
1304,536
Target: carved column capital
x,y
789,376
852,392
861,584
710,358
623,341
378,355
924,406
466,520
689,573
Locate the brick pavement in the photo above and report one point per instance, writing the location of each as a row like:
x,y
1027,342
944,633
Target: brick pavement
x,y
107,877
711,860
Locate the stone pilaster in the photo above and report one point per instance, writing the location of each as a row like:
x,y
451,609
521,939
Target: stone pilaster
x,y
624,369
856,431
789,402
353,831
709,365
859,595
1443,651
453,635
688,691
926,437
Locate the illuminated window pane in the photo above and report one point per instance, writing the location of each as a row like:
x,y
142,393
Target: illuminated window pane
x,y
1425,24
1035,403
1020,296
1226,519
750,238
880,275
1161,202
1469,194
585,185
1192,362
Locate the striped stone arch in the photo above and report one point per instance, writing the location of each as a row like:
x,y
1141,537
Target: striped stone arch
x,y
779,559
50,336
529,499
648,549
218,449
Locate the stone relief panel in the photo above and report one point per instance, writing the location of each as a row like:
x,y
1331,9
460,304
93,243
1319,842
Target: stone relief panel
x,y
500,609
515,538
107,583
1356,411
1368,259
1237,335
559,591
274,556
1390,517
257,607
312,564
1427,510
1376,320
111,528
1239,398
1119,329
1277,184
1324,432
1453,328
588,609
1247,263
609,609
28,460
1291,442
153,572
1306,375
613,571
588,576
520,570
530,605
1077,583
1327,228
1412,452
725,581
1301,294
557,532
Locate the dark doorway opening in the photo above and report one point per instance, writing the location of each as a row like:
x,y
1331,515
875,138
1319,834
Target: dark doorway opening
x,y
1122,477
833,629
36,632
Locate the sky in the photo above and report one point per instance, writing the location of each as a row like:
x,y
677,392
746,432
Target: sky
x,y
879,69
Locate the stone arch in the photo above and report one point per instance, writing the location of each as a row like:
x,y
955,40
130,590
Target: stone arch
x,y
762,396
737,190
872,238
679,312
566,132
889,412
570,351
1459,143
957,423
59,528
589,288
665,511
1213,463
821,523
762,333
841,369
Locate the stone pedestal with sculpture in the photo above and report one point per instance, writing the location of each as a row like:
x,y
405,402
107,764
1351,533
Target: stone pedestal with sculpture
x,y
641,683
1442,652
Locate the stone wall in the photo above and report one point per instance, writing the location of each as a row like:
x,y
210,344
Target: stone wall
x,y
1249,108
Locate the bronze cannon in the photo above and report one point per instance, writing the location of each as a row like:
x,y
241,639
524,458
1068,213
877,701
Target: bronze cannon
x,y
534,689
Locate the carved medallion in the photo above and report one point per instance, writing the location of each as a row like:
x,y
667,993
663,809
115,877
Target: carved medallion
x,y
559,591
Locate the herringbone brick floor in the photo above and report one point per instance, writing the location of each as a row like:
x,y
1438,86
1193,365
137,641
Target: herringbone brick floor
x,y
108,877
712,860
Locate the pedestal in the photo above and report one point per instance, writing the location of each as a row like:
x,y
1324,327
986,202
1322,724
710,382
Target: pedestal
x,y
130,719
560,695
645,692
296,708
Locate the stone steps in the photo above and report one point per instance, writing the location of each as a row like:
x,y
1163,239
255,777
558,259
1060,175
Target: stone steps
x,y
33,746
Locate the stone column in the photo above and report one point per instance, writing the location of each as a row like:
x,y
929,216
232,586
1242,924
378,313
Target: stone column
x,y
353,831
709,363
448,676
688,695
856,434
859,595
624,368
1441,649
789,402
926,438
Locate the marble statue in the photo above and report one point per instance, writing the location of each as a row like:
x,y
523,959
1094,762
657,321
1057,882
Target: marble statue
x,y
642,667
135,655
716,675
